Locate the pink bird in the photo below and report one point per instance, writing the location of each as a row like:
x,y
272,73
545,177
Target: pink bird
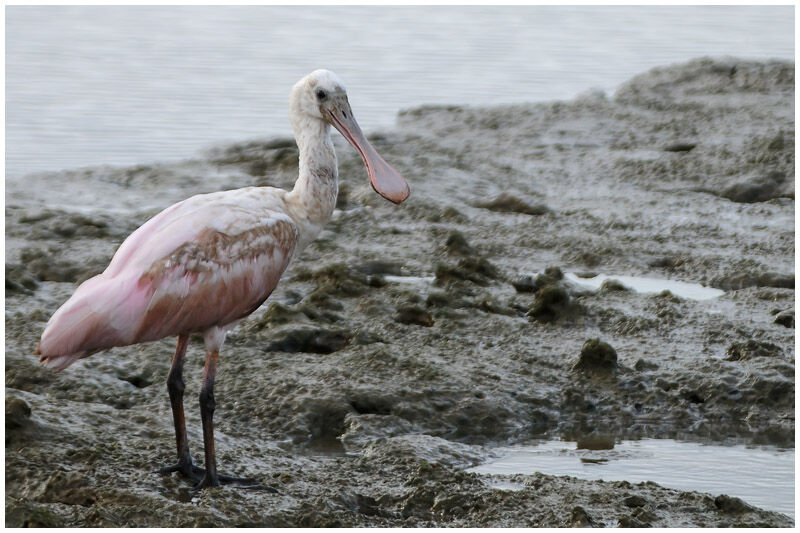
x,y
205,263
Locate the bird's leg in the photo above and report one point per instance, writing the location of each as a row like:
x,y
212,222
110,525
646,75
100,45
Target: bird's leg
x,y
175,387
207,406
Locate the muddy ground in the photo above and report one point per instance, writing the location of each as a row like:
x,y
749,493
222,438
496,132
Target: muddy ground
x,y
408,341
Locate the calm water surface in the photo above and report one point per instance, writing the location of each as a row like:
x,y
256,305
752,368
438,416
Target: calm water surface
x,y
761,476
124,85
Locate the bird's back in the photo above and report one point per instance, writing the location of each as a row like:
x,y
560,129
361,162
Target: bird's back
x,y
201,263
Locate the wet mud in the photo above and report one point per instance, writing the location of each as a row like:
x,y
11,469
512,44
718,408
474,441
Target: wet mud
x,y
408,341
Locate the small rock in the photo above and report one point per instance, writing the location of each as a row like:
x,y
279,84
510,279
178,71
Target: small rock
x,y
777,142
635,501
443,299
612,285
743,351
457,245
359,503
19,280
335,280
748,279
580,518
644,515
596,356
680,147
411,314
508,203
525,284
475,269
364,337
551,303
629,521
453,215
731,504
311,340
371,268
550,276
785,318
667,261
596,442
18,413
642,365
754,190
277,314
138,380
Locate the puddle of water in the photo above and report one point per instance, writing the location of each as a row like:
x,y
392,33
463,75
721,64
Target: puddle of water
x,y
409,279
505,485
762,476
682,289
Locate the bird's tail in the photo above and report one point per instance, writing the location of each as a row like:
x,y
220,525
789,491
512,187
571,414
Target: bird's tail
x,y
92,320
60,362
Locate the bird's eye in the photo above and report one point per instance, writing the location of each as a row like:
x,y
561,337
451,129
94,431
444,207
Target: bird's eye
x,y
321,95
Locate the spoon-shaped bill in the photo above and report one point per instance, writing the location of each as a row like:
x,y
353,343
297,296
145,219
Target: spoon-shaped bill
x,y
384,179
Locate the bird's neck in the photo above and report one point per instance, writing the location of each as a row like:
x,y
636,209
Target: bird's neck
x,y
314,195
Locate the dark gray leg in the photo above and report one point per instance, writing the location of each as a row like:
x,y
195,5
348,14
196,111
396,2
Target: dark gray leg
x,y
207,407
208,476
175,387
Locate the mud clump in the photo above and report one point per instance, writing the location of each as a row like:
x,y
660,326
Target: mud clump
x,y
54,224
612,285
635,501
785,318
257,158
628,521
19,280
18,413
379,268
336,281
759,189
29,514
415,315
477,270
580,518
48,265
508,203
732,505
525,284
552,302
680,147
310,340
751,349
457,244
746,279
597,357
550,276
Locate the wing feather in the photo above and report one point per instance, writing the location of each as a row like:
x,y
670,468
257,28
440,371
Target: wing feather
x,y
204,262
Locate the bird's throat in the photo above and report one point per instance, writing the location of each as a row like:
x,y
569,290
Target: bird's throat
x,y
314,195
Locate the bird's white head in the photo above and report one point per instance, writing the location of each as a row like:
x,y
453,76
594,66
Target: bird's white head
x,y
315,90
322,96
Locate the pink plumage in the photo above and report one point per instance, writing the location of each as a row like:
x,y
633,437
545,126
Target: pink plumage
x,y
202,263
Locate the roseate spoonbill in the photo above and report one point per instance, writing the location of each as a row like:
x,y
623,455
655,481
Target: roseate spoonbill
x,y
204,263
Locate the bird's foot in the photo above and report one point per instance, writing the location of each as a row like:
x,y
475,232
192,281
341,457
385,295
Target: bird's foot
x,y
186,469
201,479
238,482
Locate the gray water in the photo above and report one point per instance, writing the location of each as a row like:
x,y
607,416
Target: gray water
x,y
761,476
126,85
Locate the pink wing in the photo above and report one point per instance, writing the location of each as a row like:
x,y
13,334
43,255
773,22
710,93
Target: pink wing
x,y
204,262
